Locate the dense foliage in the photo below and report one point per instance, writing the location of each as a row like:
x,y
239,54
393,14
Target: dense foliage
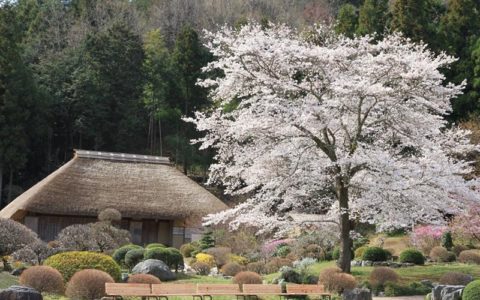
x,y
472,291
68,263
412,256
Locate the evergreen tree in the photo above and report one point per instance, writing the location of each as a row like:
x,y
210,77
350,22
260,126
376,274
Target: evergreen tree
x,y
411,18
373,17
347,20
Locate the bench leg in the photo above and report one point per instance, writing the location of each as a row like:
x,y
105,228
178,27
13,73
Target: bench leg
x,y
195,296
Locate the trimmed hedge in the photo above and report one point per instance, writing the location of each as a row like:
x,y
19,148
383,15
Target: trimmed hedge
x,y
133,257
68,263
472,291
412,256
170,256
376,254
359,252
155,245
119,254
415,288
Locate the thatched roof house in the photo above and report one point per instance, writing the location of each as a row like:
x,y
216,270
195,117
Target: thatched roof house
x,y
158,203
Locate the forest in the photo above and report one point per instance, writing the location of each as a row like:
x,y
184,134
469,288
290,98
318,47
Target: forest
x,y
118,75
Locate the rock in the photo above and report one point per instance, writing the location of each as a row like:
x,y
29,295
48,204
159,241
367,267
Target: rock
x,y
455,295
213,271
18,271
156,268
441,291
366,263
356,263
17,292
357,294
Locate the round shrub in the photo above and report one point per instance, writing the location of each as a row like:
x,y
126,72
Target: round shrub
x,y
469,257
247,277
257,267
382,275
43,279
187,249
14,236
472,291
238,259
119,254
155,245
455,278
412,256
220,254
133,257
69,263
231,269
143,278
276,263
283,251
290,275
206,258
457,249
375,254
359,252
157,253
174,258
326,277
201,268
88,284
440,254
110,215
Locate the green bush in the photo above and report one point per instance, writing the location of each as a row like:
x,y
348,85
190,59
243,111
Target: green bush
x,y
155,245
119,254
170,256
68,263
412,256
359,252
472,291
376,254
133,257
187,249
175,259
393,289
447,241
283,251
336,253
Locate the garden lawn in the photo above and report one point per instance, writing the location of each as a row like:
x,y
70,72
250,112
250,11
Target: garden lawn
x,y
7,280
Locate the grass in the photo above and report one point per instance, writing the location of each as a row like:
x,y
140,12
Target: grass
x,y
7,280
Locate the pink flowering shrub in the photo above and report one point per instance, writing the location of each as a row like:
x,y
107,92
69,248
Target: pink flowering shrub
x,y
426,237
269,248
466,227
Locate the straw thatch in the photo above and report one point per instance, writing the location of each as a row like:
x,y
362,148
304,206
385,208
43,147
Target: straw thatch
x,y
140,188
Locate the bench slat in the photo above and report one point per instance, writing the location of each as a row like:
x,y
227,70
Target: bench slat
x,y
305,289
174,289
255,289
127,289
218,289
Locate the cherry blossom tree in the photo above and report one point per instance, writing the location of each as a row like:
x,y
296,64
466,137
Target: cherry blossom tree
x,y
346,129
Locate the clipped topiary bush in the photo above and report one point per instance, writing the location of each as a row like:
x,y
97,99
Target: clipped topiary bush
x,y
69,263
257,267
457,249
342,282
412,256
187,249
88,284
44,279
206,258
326,277
455,278
247,277
231,269
359,252
414,288
155,245
143,278
290,275
133,257
447,241
440,254
175,259
201,268
382,275
157,253
469,257
472,291
119,254
376,254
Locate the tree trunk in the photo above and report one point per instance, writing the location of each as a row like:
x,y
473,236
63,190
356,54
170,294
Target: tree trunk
x,y
160,136
345,226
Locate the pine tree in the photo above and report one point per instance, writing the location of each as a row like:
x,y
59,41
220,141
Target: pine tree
x,y
373,17
347,20
411,18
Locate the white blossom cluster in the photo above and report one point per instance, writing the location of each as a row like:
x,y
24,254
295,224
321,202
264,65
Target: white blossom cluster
x,y
310,109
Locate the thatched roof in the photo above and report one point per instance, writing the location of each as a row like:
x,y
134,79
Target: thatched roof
x,y
143,187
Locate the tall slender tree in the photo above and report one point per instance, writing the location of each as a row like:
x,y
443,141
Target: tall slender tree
x,y
372,17
347,20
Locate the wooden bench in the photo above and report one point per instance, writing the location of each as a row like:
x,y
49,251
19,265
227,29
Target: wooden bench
x,y
119,290
164,290
307,290
209,290
255,290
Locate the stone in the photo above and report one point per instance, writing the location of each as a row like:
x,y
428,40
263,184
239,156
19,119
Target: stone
x,y
156,268
455,295
366,263
17,292
18,271
356,263
357,294
440,291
